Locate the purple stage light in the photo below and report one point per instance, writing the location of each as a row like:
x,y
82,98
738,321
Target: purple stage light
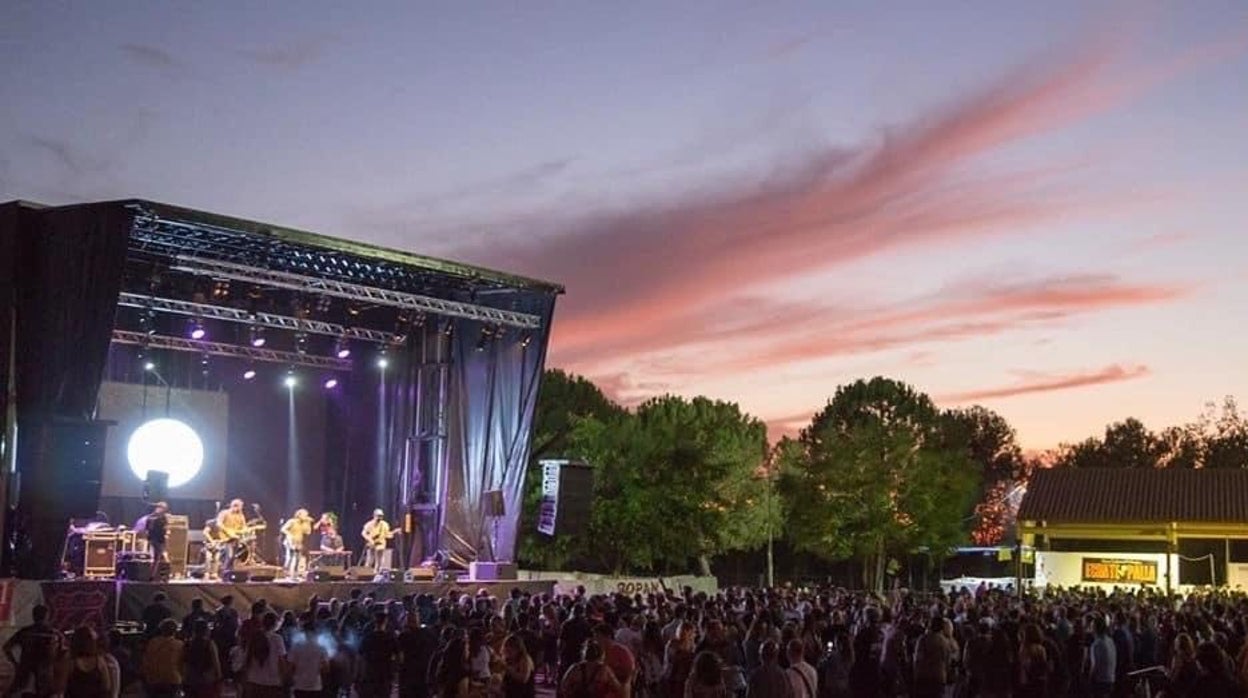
x,y
197,331
331,383
344,353
249,374
257,342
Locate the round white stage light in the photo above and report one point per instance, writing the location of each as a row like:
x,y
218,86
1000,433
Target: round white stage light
x,y
167,445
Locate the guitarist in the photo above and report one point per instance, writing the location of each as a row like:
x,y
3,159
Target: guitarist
x,y
214,543
377,534
232,525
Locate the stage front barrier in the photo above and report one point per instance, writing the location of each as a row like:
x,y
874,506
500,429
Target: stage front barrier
x,y
567,583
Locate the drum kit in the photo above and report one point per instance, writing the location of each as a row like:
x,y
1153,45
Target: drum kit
x,y
243,549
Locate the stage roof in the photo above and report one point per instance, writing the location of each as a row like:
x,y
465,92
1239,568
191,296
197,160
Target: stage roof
x,y
277,235
1112,495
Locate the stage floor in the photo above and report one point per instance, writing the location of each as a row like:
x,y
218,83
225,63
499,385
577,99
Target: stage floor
x,y
104,602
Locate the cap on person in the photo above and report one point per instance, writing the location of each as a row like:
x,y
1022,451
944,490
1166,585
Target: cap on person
x,y
378,513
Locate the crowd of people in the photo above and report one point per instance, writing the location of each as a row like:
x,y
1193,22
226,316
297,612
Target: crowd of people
x,y
761,643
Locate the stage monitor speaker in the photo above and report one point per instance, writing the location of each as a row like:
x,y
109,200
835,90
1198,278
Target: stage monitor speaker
x,y
419,574
361,572
139,569
492,571
324,575
253,573
156,486
332,573
493,504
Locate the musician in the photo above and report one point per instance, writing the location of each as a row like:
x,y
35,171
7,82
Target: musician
x,y
232,525
295,532
331,540
377,534
214,543
157,527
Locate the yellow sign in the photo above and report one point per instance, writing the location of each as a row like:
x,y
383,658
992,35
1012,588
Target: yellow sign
x,y
1109,571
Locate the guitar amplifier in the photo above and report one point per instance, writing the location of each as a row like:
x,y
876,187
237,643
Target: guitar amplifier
x,y
176,540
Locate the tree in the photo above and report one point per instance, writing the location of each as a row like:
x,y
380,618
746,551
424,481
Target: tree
x,y
1126,444
873,475
724,474
1226,437
990,442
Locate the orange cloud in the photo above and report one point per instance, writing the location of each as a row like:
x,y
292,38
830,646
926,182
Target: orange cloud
x,y
1043,383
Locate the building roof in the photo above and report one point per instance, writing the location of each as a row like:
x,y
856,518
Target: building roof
x,y
1114,495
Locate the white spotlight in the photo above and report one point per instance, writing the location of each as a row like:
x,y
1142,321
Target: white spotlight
x,y
290,381
149,366
167,445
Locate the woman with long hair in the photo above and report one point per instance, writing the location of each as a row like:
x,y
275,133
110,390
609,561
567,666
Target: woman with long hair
x,y
550,645
201,672
264,666
706,680
590,677
87,675
1033,663
1183,670
452,674
517,669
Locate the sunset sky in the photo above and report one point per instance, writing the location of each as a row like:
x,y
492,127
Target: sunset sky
x,y
1036,206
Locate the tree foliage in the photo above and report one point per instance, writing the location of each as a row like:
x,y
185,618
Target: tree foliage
x,y
1218,438
880,472
674,480
991,443
873,475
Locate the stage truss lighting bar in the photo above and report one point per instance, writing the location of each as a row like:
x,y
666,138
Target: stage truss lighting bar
x,y
340,289
259,319
199,346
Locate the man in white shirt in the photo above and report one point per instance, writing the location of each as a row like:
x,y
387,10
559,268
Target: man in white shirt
x,y
803,679
377,535
308,659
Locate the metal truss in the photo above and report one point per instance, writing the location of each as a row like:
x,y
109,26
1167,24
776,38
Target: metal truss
x,y
199,346
223,312
378,296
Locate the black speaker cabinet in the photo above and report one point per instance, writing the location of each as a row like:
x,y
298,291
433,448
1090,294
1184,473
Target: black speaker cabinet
x,y
176,544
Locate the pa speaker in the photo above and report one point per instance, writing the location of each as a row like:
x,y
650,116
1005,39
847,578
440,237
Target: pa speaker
x,y
236,576
156,486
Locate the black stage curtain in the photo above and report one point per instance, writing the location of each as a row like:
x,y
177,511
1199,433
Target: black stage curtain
x,y
10,214
70,266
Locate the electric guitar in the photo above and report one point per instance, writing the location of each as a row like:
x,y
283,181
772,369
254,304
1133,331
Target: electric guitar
x,y
377,538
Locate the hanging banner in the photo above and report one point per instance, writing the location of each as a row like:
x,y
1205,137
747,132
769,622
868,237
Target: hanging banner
x,y
1111,571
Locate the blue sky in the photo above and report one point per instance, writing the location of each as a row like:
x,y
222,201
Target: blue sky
x,y
1036,206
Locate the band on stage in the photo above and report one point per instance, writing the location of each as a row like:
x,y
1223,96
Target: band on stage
x,y
231,540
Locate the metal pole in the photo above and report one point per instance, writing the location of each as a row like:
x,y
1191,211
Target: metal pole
x,y
771,498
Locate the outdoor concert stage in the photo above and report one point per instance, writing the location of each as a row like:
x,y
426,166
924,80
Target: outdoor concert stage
x,y
243,360
104,602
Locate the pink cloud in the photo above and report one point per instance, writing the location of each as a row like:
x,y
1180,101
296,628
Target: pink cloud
x,y
635,271
1046,382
